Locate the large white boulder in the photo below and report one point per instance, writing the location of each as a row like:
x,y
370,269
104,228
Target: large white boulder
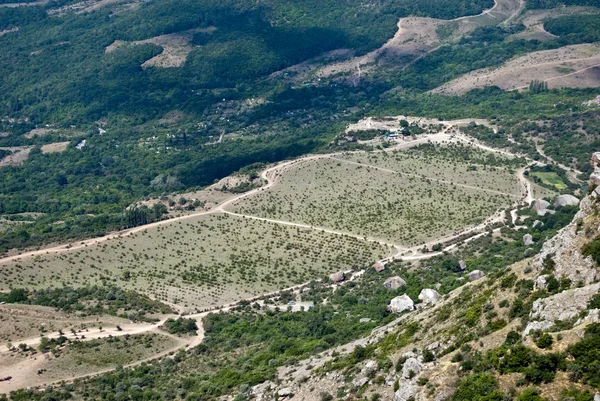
x,y
394,282
475,275
401,304
540,206
566,200
429,296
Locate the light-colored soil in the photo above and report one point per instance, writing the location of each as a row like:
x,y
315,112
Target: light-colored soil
x,y
534,21
32,4
398,198
6,31
205,261
176,47
88,6
570,66
69,133
416,37
25,321
17,158
56,147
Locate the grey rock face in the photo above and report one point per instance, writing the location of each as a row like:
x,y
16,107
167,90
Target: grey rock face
x,y
406,391
475,275
337,277
394,282
411,365
541,283
462,265
528,239
429,296
566,200
564,249
540,206
537,223
543,326
401,304
565,305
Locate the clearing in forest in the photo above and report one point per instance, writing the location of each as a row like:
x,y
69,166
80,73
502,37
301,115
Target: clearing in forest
x,y
570,66
203,261
405,198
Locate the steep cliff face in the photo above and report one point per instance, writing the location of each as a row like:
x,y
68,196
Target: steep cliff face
x,y
565,249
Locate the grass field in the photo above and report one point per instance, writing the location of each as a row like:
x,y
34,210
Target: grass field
x,y
203,261
550,178
405,198
27,321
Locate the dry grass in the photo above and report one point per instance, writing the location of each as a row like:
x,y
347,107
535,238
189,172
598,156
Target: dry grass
x,y
574,66
205,261
26,321
400,198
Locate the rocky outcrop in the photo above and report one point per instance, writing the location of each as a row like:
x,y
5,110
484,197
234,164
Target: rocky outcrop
x,y
566,200
407,390
527,239
429,296
475,275
563,306
337,277
379,267
411,368
401,304
565,250
540,206
462,266
394,282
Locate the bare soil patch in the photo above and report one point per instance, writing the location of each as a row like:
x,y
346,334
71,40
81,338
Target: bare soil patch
x,y
20,154
570,66
57,147
176,47
534,21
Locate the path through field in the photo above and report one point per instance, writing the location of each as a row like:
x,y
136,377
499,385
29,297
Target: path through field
x,y
25,370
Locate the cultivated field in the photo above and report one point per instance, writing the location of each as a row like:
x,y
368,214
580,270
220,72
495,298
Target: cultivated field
x,y
200,262
405,198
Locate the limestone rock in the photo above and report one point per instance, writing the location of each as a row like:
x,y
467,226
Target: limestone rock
x,y
429,296
595,177
528,239
337,277
394,282
462,265
540,206
401,304
406,391
475,275
593,316
260,389
537,223
364,320
285,392
411,365
379,267
565,305
543,325
566,200
541,283
565,249
597,397
360,381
